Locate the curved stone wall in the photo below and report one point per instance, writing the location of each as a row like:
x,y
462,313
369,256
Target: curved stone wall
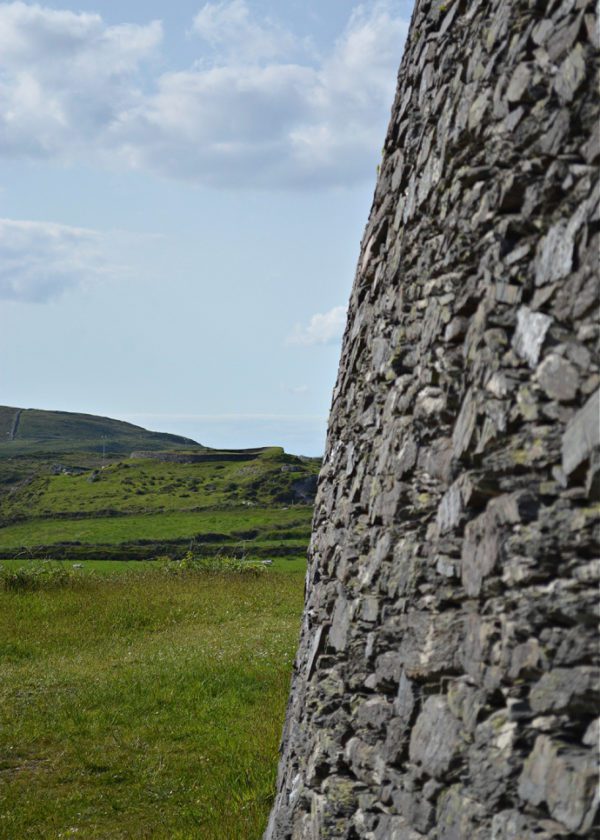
x,y
446,684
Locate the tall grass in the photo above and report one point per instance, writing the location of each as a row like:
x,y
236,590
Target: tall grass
x,y
44,574
144,705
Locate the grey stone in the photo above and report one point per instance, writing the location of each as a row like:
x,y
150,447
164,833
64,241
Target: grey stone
x,y
558,378
570,75
460,816
388,669
428,643
554,256
592,734
519,83
513,825
452,505
338,632
480,552
395,828
405,699
374,713
492,757
465,425
436,737
530,334
508,293
564,688
465,702
582,435
446,681
566,779
436,460
456,329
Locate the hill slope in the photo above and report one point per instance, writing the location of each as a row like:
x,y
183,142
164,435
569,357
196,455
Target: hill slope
x,y
32,431
84,487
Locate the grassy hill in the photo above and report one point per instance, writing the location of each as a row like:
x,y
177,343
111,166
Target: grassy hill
x,y
62,496
30,431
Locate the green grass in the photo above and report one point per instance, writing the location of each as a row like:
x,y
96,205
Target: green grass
x,y
143,699
232,523
121,509
142,706
63,431
101,567
288,563
153,486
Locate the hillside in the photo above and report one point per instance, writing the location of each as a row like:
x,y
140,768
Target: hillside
x,y
29,431
77,486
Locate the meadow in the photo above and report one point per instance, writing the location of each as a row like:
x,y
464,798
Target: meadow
x,y
138,509
144,676
140,704
239,524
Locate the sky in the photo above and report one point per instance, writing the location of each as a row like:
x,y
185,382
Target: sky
x,y
183,190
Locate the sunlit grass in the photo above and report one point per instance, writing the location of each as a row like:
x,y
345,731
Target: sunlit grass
x,y
108,530
142,706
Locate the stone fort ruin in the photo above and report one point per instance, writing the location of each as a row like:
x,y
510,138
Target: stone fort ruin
x,y
446,683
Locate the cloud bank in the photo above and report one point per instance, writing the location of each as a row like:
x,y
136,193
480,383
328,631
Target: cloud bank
x,y
39,261
323,328
257,109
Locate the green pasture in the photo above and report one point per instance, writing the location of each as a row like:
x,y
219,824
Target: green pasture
x,y
110,567
149,486
234,523
138,705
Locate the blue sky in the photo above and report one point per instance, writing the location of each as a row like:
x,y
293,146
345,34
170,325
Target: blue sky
x,y
183,188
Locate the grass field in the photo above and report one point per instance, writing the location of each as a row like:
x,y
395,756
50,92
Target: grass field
x,y
148,486
143,698
139,705
236,523
141,508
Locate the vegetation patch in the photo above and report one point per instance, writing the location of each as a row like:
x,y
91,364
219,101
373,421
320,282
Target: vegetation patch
x,y
130,704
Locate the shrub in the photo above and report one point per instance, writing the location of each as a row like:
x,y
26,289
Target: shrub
x,y
192,563
44,574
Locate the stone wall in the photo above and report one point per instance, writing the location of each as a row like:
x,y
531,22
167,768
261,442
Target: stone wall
x,y
446,684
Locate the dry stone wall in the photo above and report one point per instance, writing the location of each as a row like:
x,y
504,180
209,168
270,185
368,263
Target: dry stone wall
x,y
446,684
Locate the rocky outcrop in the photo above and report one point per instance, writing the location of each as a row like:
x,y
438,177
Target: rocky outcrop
x,y
446,684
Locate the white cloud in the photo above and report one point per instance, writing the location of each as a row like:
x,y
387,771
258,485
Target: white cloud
x,y
228,27
323,328
65,78
257,109
39,261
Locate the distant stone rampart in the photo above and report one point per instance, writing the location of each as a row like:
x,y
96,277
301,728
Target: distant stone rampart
x,y
446,684
198,457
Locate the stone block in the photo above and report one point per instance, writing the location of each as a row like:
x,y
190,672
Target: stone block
x,y
566,779
436,737
530,334
558,378
561,689
582,435
480,553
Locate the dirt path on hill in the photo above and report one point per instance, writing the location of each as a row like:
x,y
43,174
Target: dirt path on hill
x,y
15,426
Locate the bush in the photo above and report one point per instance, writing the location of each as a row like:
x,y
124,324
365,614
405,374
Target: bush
x,y
44,574
192,563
